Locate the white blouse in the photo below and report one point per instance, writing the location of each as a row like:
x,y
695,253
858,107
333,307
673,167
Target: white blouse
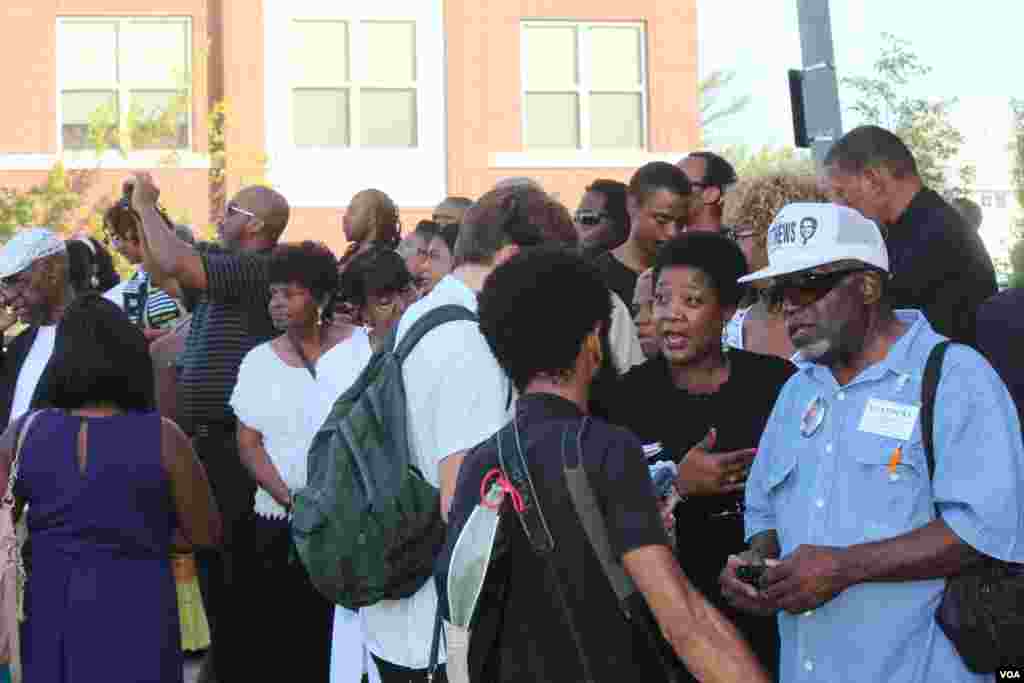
x,y
287,406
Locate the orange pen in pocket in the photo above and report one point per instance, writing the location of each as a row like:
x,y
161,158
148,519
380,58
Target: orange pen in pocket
x,y
895,459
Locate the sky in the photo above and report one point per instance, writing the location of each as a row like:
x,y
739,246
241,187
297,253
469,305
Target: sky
x,y
975,50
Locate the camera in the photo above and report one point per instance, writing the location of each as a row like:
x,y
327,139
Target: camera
x,y
751,574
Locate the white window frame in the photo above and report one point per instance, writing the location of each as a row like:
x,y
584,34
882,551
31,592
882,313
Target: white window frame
x,y
327,177
183,157
357,81
583,88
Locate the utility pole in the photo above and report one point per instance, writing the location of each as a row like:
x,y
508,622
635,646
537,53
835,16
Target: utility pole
x,y
820,91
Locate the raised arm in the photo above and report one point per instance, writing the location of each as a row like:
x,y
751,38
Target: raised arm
x,y
167,258
198,517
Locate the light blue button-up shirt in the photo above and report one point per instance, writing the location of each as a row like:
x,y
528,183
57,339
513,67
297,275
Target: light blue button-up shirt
x,y
838,486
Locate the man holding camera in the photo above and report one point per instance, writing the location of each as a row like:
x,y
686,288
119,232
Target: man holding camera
x,y
231,288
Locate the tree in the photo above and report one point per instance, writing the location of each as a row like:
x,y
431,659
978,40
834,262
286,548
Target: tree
x,y
750,162
709,93
922,123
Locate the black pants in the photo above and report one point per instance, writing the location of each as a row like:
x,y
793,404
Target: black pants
x,y
282,622
392,673
234,491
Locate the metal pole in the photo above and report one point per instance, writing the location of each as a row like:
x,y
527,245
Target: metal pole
x,y
821,92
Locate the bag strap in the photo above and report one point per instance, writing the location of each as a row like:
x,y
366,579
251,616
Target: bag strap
x,y
434,318
435,643
537,531
583,499
585,502
12,478
929,390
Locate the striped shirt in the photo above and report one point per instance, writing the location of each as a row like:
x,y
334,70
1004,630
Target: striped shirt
x,y
230,318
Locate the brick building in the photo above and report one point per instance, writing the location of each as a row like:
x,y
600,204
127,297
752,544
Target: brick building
x,y
420,98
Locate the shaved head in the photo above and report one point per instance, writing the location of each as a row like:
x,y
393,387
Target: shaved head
x,y
269,206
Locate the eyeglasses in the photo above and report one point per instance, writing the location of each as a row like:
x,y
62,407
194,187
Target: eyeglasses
x,y
739,235
587,217
234,208
14,282
804,290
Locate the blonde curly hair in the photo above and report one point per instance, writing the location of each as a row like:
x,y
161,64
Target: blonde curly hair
x,y
753,202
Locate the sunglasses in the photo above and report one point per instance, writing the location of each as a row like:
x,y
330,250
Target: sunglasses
x,y
14,282
804,290
740,235
587,217
234,208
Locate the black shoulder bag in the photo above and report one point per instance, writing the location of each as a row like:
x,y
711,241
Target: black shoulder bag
x,y
982,608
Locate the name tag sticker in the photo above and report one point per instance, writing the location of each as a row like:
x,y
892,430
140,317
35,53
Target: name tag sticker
x,y
886,418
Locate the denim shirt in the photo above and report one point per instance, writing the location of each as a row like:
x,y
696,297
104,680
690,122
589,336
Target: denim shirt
x,y
836,483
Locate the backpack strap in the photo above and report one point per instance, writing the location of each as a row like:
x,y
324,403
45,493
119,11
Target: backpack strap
x,y
513,464
434,318
929,390
585,503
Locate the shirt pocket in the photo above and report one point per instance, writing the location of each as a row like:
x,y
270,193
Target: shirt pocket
x,y
780,485
889,495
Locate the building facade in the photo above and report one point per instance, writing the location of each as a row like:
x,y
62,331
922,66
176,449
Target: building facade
x,y
323,98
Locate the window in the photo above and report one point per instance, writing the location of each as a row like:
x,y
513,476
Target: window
x,y
584,85
986,199
126,80
354,83
1001,200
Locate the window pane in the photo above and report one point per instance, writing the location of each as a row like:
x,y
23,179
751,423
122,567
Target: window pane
x,y
155,54
387,118
615,57
319,53
616,120
80,108
550,57
390,52
552,120
321,118
159,119
88,54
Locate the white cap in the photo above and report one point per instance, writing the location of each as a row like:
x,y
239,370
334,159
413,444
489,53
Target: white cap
x,y
26,247
805,236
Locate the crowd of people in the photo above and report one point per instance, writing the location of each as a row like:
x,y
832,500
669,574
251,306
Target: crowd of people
x,y
765,337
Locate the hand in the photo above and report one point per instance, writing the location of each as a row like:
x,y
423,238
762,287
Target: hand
x,y
152,335
7,318
741,594
711,474
805,579
145,193
666,508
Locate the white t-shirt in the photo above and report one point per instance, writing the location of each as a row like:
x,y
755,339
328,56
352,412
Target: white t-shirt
x,y
287,406
457,396
623,338
32,370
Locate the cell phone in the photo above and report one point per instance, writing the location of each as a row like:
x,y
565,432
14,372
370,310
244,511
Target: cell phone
x,y
750,574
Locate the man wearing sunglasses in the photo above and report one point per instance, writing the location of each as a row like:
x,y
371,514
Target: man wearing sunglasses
x,y
710,176
229,286
602,221
840,506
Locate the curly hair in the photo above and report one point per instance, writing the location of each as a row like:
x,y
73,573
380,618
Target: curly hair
x,y
753,202
309,264
536,310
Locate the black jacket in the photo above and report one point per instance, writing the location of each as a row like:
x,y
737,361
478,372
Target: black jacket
x,y
11,361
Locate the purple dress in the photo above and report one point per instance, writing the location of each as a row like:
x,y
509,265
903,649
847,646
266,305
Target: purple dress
x,y
100,600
